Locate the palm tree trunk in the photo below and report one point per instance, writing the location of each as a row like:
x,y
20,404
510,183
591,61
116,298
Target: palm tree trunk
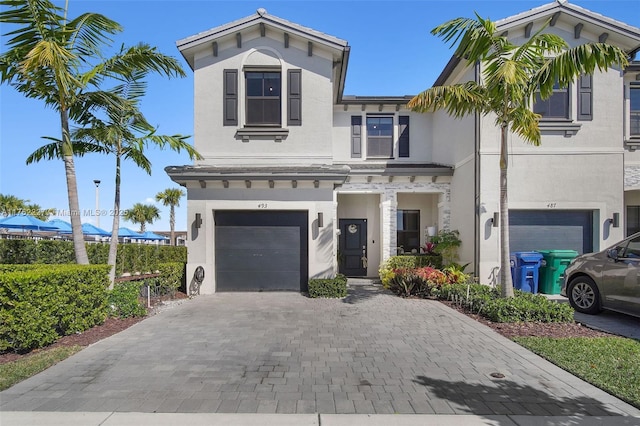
x,y
113,246
172,224
506,282
79,247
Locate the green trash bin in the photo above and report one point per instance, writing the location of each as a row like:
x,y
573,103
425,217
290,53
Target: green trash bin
x,y
554,263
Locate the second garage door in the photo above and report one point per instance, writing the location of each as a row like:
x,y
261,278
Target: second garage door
x,y
258,251
531,230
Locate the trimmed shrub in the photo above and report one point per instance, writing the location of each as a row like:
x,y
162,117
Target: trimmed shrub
x,y
18,251
523,307
124,300
55,252
171,277
328,287
527,307
39,303
404,262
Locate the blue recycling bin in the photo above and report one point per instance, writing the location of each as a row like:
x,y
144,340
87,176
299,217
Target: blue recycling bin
x,y
525,266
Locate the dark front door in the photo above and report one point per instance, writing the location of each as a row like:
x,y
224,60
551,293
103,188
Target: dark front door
x,y
353,247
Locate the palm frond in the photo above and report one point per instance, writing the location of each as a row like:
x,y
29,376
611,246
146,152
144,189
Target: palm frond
x,y
524,123
458,99
90,31
49,151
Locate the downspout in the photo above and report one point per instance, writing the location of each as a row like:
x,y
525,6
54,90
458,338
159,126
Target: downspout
x,y
476,172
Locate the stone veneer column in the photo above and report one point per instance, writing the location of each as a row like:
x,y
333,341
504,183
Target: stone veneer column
x,y
444,209
631,177
389,206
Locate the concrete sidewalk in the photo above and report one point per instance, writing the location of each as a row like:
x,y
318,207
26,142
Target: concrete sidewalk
x,y
371,353
201,419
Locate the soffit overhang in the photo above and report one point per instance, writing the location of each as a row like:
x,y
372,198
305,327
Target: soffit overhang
x,y
276,28
337,174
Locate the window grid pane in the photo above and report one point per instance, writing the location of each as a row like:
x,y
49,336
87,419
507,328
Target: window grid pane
x,y
380,137
263,98
408,226
634,116
556,106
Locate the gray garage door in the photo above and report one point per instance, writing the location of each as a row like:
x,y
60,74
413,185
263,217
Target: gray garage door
x,y
258,251
531,230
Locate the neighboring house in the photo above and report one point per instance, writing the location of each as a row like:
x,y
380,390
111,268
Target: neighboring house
x,y
299,181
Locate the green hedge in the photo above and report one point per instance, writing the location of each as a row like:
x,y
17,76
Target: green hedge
x,y
415,261
172,275
124,300
523,307
131,257
39,303
328,287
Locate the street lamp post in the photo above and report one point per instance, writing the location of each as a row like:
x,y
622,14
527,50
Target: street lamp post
x,y
97,182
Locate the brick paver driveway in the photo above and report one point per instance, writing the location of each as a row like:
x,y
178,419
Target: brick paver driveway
x,y
282,352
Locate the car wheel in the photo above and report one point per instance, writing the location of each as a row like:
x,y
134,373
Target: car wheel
x,y
583,295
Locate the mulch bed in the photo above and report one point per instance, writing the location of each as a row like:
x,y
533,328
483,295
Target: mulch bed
x,y
533,329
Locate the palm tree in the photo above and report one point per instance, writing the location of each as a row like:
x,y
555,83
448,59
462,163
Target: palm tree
x,y
38,212
59,61
10,205
125,133
510,76
142,214
171,197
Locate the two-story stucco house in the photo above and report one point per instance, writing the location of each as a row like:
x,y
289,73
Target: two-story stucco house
x,y
300,181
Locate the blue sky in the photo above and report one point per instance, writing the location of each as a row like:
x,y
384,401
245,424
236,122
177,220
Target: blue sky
x,y
392,53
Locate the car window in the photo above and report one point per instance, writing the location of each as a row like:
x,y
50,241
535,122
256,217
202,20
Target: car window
x,y
632,250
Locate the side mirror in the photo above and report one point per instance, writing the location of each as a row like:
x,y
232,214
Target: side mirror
x,y
613,253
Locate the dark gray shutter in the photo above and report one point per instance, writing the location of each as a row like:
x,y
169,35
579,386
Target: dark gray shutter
x,y
403,139
356,136
295,98
230,107
585,98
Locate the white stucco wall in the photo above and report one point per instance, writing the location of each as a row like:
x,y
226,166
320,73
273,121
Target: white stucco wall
x,y
305,144
420,133
552,181
200,242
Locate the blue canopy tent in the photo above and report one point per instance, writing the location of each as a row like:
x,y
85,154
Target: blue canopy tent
x,y
89,229
128,233
26,222
150,235
63,226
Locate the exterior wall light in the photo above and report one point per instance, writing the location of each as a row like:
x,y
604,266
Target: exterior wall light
x,y
495,220
198,221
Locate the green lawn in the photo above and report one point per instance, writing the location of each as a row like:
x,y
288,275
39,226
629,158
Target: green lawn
x,y
610,363
16,371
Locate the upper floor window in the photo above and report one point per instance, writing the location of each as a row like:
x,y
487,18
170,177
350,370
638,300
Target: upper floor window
x,y
554,107
263,98
380,137
634,111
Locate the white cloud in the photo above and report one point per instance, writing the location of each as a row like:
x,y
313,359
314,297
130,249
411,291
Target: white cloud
x,y
150,200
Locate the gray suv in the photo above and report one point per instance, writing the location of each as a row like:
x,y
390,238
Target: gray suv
x,y
609,279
